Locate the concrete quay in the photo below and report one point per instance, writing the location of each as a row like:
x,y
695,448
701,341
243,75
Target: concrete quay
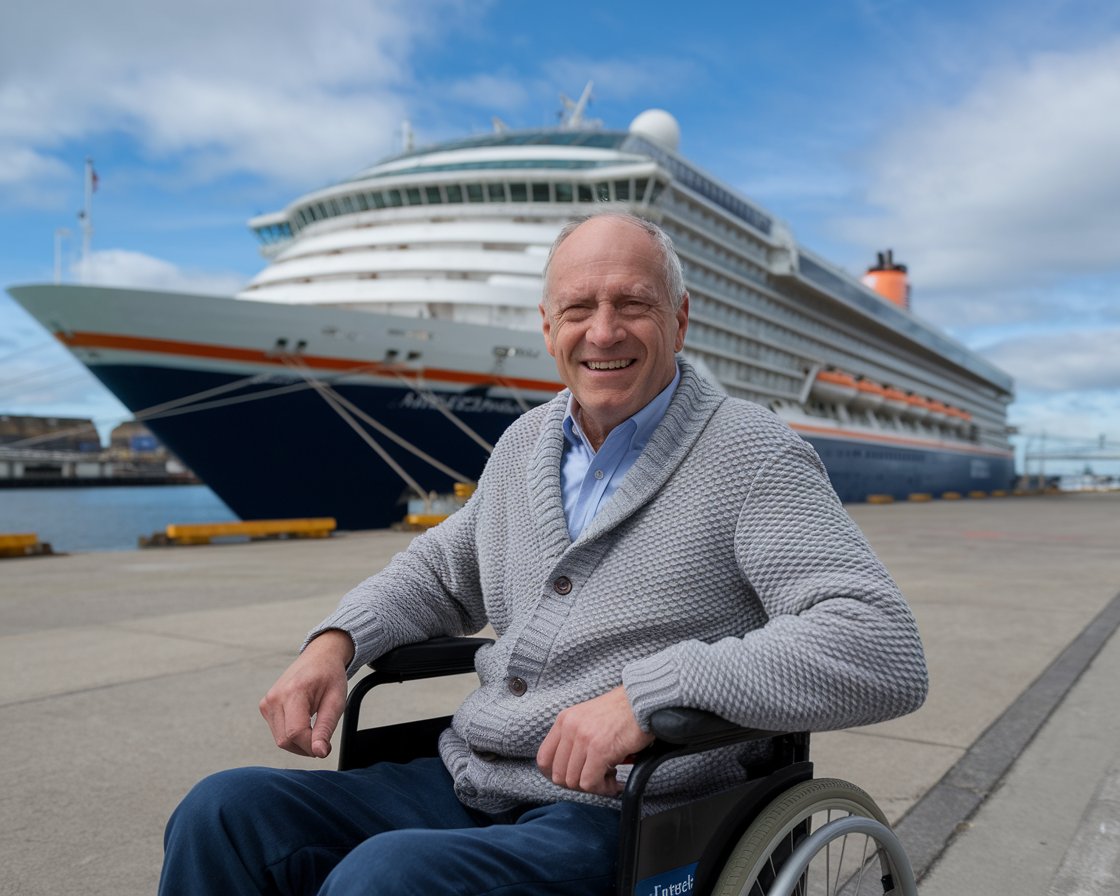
x,y
125,677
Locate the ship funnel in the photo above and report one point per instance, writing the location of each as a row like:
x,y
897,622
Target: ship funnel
x,y
889,279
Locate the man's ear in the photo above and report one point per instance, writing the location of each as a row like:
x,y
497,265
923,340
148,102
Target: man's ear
x,y
546,328
682,322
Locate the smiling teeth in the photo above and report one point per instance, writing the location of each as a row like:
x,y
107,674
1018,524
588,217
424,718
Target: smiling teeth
x,y
607,365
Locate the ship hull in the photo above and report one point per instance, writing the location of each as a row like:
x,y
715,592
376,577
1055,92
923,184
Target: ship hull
x,y
292,456
249,416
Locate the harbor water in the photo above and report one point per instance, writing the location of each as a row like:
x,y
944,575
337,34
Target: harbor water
x,y
106,518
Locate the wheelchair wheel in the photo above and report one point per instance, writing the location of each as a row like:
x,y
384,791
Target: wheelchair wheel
x,y
853,863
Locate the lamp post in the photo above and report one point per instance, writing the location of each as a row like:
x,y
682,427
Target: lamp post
x,y
60,234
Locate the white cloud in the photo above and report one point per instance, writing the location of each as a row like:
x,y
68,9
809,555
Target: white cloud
x,y
119,267
281,88
1016,183
1072,360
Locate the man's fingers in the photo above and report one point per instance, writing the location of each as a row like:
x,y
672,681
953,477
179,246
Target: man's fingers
x,y
588,740
312,691
326,720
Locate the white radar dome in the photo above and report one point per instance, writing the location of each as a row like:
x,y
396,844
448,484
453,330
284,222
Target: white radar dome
x,y
659,127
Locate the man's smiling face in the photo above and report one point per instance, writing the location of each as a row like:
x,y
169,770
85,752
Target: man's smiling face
x,y
610,323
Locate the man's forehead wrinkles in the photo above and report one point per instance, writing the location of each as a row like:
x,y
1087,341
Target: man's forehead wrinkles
x,y
596,288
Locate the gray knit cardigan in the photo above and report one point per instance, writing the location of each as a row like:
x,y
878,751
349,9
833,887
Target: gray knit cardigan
x,y
723,574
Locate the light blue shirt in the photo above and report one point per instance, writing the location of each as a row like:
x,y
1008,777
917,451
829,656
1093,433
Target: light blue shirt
x,y
588,478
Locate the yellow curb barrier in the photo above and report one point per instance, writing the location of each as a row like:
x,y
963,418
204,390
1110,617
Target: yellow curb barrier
x,y
204,533
22,544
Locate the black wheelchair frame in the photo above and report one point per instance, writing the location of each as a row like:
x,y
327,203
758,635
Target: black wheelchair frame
x,y
684,850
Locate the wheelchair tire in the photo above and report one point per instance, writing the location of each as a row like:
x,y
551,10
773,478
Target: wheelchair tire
x,y
787,821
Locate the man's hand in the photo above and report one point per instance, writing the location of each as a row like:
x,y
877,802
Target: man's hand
x,y
589,740
304,706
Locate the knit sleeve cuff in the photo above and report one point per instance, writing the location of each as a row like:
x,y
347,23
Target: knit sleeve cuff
x,y
651,684
370,640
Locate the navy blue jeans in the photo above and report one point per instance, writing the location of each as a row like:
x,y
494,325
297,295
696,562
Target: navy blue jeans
x,y
389,830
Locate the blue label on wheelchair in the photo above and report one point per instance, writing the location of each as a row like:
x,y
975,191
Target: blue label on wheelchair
x,y
678,882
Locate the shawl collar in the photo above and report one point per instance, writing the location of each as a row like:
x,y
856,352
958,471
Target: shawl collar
x,y
694,402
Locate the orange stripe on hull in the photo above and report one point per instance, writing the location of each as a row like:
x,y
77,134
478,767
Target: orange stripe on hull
x,y
893,440
314,362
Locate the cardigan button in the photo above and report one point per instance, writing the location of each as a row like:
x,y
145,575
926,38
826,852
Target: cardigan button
x,y
562,585
517,686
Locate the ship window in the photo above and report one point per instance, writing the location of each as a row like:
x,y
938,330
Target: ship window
x,y
377,200
474,193
361,200
393,198
413,194
563,192
518,193
640,187
584,192
496,192
454,193
433,195
540,193
622,189
603,192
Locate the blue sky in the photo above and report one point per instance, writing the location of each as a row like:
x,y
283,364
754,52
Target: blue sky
x,y
980,140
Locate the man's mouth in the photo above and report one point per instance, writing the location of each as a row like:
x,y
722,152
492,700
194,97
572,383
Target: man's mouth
x,y
609,365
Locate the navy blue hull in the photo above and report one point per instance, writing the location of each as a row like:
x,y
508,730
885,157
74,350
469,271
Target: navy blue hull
x,y
290,455
859,469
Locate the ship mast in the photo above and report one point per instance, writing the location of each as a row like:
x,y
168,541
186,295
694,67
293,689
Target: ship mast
x,y
572,117
85,216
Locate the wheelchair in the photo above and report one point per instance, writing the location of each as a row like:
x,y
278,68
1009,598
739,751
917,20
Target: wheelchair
x,y
781,832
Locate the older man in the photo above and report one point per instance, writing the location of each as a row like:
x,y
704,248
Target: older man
x,y
641,541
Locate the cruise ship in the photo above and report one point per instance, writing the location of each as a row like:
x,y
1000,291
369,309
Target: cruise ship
x,y
395,332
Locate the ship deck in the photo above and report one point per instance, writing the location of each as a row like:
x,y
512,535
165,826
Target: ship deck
x,y
124,677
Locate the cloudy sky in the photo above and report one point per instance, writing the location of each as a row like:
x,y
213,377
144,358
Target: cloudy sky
x,y
980,139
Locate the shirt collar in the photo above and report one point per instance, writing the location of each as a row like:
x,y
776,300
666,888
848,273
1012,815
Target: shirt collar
x,y
640,426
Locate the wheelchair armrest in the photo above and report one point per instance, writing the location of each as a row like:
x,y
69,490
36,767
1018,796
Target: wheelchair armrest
x,y
429,659
702,730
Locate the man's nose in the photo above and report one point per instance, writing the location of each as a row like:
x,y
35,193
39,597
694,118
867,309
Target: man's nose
x,y
606,327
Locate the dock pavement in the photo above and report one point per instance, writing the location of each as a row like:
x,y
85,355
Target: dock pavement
x,y
127,676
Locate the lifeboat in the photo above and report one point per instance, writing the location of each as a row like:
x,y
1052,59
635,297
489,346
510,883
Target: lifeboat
x,y
959,419
869,395
917,408
835,386
939,411
894,400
